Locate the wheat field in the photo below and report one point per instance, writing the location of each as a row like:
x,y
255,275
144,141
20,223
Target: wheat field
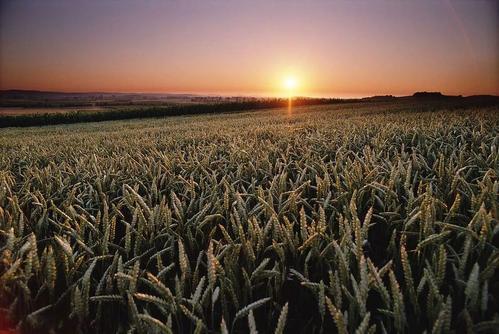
x,y
358,218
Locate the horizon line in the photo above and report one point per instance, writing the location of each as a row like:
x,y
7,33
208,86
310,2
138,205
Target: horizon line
x,y
207,94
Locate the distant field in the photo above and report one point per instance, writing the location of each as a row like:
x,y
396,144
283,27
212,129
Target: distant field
x,y
356,218
69,115
16,111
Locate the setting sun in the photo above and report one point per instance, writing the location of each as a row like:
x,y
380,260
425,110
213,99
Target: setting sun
x,y
290,83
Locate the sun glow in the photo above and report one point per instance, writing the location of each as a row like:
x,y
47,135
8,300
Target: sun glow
x,y
290,83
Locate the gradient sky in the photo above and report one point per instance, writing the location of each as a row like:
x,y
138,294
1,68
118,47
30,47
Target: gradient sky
x,y
332,48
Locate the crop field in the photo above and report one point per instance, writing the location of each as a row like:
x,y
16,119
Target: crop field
x,y
16,111
355,218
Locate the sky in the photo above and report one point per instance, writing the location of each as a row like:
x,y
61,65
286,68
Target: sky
x,y
329,48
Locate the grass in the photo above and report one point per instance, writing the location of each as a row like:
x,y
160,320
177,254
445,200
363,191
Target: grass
x,y
339,218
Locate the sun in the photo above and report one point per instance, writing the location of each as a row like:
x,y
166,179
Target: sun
x,y
290,83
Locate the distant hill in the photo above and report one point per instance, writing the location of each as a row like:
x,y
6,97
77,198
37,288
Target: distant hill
x,y
433,95
379,98
472,99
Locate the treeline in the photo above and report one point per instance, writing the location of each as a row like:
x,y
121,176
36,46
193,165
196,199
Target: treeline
x,y
44,104
160,111
78,104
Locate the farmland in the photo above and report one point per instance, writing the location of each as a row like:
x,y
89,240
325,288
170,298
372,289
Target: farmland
x,y
361,217
13,111
28,108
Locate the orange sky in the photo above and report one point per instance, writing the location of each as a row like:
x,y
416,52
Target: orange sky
x,y
332,48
